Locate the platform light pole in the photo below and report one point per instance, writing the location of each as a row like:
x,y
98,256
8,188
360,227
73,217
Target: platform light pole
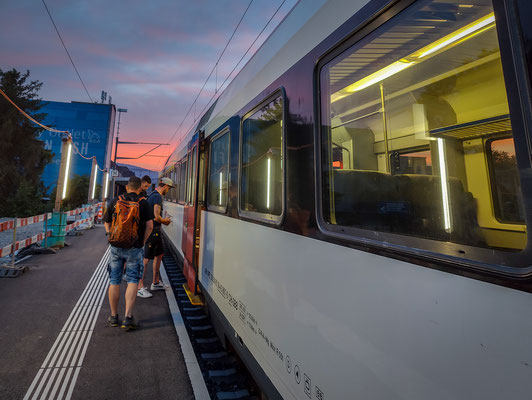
x,y
94,177
64,169
120,111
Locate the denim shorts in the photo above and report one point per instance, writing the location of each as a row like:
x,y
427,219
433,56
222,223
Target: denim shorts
x,y
132,258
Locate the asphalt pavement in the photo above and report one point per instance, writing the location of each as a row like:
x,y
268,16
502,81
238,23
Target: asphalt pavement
x,y
45,349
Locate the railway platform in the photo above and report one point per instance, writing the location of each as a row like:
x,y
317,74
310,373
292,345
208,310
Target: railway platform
x,y
57,344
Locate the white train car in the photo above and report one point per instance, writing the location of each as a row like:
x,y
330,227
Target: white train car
x,y
354,207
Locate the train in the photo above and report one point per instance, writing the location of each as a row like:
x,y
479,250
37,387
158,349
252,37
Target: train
x,y
354,206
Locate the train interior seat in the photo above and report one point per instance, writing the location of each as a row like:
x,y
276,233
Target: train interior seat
x,y
406,204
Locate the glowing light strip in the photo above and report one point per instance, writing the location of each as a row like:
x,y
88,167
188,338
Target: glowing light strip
x,y
94,182
106,185
67,169
380,75
444,188
398,66
481,23
268,187
220,201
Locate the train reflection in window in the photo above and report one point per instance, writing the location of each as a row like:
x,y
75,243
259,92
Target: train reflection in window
x,y
261,180
407,114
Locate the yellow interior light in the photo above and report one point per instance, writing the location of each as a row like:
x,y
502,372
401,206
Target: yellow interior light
x,y
466,32
380,75
472,28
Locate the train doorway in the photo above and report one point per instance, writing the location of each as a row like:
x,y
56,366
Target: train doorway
x,y
192,212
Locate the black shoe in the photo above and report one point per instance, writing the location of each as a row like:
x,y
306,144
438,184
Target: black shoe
x,y
113,320
129,323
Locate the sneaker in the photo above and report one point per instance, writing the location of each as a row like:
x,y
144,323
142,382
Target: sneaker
x,y
129,323
113,320
157,286
143,292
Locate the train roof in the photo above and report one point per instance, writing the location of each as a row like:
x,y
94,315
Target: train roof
x,y
303,28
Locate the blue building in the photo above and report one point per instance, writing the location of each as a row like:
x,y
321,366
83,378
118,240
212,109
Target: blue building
x,y
92,128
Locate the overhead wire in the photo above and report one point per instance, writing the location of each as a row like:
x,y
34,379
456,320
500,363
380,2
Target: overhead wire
x,y
210,74
68,54
233,70
47,127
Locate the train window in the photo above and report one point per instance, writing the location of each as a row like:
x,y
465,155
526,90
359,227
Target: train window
x,y
408,117
506,187
173,190
219,172
182,181
191,185
261,169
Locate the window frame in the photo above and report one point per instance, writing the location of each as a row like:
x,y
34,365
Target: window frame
x,y
271,219
211,207
507,264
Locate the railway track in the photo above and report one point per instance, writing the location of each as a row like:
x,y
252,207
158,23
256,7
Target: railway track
x,y
225,376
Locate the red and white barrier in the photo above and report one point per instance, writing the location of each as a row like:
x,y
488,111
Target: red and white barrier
x,y
24,243
78,211
7,225
32,220
76,224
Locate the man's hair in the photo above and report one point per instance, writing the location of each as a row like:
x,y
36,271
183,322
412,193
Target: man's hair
x,y
146,178
161,184
134,183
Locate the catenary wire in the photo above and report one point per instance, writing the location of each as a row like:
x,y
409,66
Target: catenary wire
x,y
46,127
215,66
233,70
68,54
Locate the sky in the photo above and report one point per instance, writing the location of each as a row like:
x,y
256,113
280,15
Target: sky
x,y
151,57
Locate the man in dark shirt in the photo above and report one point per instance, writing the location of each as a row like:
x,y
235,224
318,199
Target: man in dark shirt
x,y
145,185
132,257
153,250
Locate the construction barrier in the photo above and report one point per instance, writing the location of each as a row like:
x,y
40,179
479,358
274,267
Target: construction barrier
x,y
55,228
73,225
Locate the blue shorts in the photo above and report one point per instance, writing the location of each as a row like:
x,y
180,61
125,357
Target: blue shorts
x,y
134,265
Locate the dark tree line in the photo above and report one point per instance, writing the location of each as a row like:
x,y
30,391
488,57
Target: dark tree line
x,y
23,156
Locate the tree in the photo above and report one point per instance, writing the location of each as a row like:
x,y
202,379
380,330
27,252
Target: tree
x,y
77,192
23,155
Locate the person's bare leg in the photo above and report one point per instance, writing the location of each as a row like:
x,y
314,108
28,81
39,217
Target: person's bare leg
x,y
114,295
131,296
156,267
141,280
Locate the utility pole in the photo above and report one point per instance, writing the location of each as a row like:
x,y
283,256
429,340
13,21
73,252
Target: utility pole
x,y
62,181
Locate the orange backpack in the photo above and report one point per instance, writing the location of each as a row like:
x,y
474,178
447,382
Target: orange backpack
x,y
126,219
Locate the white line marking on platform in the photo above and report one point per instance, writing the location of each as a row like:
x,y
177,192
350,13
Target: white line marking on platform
x,y
72,339
191,363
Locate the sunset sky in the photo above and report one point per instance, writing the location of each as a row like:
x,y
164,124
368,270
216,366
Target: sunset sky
x,y
150,57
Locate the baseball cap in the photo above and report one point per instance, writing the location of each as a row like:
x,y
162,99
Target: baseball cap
x,y
167,181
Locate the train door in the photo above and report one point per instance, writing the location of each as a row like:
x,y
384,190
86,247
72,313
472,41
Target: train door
x,y
192,213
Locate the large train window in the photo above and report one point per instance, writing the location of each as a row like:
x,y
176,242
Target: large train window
x,y
261,168
219,172
412,117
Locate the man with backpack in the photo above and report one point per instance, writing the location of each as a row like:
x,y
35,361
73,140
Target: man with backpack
x,y
128,223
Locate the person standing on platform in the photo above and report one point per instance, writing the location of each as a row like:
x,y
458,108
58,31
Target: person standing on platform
x,y
153,250
128,223
145,185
